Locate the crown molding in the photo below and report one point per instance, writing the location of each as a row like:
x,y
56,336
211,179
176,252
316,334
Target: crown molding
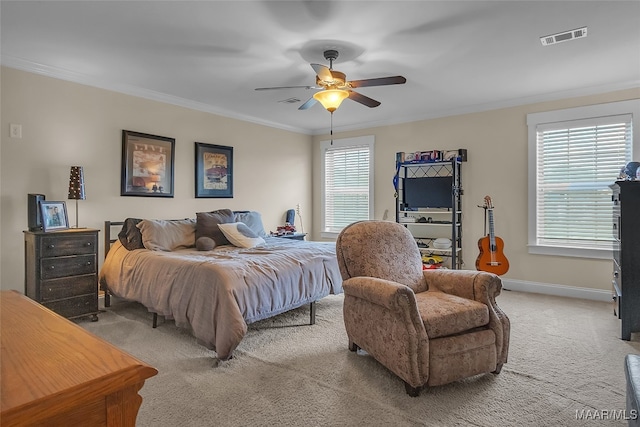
x,y
478,108
72,76
75,77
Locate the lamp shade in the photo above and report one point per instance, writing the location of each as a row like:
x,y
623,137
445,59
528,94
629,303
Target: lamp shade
x,y
331,98
76,183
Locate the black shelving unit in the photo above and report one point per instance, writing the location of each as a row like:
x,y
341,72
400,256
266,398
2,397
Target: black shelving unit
x,y
440,221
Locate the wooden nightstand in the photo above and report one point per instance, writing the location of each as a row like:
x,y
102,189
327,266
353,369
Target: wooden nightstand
x,y
294,236
61,270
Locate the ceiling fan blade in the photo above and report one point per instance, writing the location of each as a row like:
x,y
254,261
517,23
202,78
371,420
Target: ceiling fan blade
x,y
381,81
308,104
288,87
323,72
364,100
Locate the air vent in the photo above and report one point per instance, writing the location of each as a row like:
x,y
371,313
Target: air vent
x,y
578,33
290,101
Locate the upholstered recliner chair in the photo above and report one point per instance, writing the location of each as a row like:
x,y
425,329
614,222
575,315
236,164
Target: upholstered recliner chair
x,y
429,327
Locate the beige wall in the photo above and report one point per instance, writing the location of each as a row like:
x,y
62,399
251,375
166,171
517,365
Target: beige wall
x,y
66,124
497,145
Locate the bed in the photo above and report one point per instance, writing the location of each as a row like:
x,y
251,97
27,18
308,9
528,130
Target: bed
x,y
215,292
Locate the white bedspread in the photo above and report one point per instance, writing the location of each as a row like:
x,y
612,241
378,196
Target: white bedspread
x,y
217,293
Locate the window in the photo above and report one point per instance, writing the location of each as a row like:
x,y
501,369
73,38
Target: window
x,y
574,156
347,191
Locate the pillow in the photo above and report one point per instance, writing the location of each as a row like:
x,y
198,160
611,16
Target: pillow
x,y
130,235
253,220
205,244
207,225
240,235
163,235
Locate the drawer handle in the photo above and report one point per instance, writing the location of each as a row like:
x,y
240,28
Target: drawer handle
x,y
51,246
52,267
88,243
615,274
88,262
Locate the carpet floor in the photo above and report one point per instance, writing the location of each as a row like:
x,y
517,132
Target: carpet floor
x,y
565,368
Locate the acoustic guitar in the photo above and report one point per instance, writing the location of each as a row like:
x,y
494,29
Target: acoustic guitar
x,y
491,258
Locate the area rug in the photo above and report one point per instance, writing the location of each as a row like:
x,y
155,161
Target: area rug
x,y
565,368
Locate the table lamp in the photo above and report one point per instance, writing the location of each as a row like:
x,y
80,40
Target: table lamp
x,y
76,187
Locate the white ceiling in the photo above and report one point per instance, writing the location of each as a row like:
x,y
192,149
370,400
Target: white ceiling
x,y
457,56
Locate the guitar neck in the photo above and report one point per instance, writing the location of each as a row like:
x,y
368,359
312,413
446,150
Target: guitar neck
x,y
492,236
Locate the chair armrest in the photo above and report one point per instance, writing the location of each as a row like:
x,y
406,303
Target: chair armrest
x,y
381,317
478,286
474,285
377,291
632,375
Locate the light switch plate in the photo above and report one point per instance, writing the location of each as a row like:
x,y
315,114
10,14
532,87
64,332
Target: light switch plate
x,y
15,131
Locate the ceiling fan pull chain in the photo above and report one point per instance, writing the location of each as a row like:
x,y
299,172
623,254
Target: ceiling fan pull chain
x,y
332,128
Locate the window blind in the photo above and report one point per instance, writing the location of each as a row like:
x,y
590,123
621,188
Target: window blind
x,y
347,175
576,162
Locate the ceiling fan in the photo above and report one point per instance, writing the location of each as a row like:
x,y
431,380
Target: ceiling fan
x,y
336,88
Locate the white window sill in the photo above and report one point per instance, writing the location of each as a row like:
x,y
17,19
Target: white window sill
x,y
329,235
571,252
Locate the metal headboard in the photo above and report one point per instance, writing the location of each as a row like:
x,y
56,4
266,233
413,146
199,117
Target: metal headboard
x,y
108,240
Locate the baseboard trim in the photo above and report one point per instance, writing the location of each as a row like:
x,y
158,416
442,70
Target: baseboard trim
x,y
557,290
524,286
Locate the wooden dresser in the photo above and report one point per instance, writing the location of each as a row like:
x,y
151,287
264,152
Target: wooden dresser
x,y
61,270
55,373
626,255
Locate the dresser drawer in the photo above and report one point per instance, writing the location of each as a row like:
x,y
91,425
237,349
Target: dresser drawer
x,y
52,246
616,252
617,273
53,268
61,270
74,307
616,295
67,287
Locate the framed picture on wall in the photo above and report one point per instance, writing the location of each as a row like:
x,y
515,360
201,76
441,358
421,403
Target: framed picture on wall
x,y
147,165
214,170
54,215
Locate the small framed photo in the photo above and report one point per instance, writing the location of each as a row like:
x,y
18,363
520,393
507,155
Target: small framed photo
x,y
54,215
214,170
147,165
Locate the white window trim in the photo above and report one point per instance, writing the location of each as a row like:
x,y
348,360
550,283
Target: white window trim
x,y
368,140
591,111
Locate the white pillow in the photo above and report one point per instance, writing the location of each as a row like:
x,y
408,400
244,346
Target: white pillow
x,y
240,235
251,219
163,235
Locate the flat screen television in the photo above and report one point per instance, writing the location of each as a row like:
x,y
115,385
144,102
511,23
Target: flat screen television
x,y
428,192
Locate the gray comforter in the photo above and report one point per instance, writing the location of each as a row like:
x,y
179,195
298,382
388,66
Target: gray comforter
x,y
217,293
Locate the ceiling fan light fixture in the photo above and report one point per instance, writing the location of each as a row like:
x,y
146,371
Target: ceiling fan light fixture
x,y
331,98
